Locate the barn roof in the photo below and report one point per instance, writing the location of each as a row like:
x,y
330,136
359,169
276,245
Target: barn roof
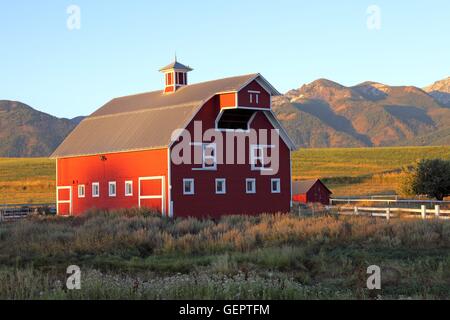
x,y
145,121
303,186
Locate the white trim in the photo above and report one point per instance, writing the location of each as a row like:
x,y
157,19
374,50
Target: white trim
x,y
162,196
169,182
254,91
249,123
129,182
261,157
111,194
224,182
253,191
58,202
278,190
204,145
192,191
83,187
97,184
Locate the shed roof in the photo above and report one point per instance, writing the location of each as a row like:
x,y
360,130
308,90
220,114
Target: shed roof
x,y
303,186
145,121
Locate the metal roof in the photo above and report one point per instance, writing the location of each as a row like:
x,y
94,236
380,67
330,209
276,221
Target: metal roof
x,y
176,65
145,121
303,186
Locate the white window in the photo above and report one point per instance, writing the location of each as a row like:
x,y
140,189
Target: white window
x,y
112,188
254,96
259,157
221,186
250,186
209,156
128,188
275,185
81,191
95,190
188,186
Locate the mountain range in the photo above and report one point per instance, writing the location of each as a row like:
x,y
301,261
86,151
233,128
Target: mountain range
x,y
320,114
327,114
26,132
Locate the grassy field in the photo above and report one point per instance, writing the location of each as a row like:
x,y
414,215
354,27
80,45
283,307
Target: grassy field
x,y
137,255
27,180
349,172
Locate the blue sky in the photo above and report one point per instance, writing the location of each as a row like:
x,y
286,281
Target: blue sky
x,y
121,44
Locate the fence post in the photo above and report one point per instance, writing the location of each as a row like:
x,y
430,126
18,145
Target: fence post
x,y
424,212
388,214
355,210
437,210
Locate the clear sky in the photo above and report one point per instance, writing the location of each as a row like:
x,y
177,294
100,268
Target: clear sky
x,y
121,44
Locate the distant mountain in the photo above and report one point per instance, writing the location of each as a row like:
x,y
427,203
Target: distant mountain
x,y
25,132
440,90
320,114
327,114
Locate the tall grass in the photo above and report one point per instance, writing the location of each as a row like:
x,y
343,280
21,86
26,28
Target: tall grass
x,y
135,254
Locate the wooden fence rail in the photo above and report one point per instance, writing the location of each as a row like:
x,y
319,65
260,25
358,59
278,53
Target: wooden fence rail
x,y
20,211
388,212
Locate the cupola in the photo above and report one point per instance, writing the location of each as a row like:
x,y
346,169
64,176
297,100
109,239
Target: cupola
x,y
175,76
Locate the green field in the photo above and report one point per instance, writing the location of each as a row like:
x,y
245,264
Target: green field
x,y
359,171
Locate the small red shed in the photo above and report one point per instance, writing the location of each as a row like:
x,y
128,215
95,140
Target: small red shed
x,y
207,149
311,191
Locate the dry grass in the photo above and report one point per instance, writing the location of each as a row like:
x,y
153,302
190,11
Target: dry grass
x,y
263,257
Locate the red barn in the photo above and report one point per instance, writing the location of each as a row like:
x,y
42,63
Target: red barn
x,y
206,149
311,191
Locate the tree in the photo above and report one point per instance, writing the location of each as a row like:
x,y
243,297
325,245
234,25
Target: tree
x,y
430,177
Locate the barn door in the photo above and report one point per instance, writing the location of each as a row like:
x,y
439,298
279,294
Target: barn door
x,y
64,201
151,193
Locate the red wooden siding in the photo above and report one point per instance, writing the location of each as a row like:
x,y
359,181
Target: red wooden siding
x,y
317,194
205,202
263,100
118,167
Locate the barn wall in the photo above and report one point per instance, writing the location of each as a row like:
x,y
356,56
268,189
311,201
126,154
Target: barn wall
x,y
206,202
318,194
244,96
119,167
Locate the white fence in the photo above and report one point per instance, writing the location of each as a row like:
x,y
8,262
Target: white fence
x,y
389,213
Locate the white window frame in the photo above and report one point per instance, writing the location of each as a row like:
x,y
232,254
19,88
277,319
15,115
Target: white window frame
x,y
192,191
278,181
96,195
81,194
256,93
110,194
254,159
127,183
253,191
224,182
205,157
208,157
